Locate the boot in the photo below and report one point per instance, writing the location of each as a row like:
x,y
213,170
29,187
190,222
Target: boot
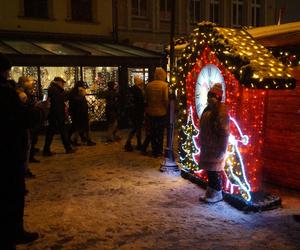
x,y
208,194
128,147
90,143
25,237
215,196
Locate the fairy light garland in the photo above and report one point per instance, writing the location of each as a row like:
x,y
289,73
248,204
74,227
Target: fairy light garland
x,y
243,98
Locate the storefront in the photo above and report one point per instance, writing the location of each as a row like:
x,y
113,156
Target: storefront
x,y
92,61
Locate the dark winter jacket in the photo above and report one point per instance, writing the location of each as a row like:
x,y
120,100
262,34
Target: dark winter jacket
x,y
112,107
16,118
78,108
58,97
136,106
214,134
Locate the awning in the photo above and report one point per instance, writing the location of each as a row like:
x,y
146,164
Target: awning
x,y
49,52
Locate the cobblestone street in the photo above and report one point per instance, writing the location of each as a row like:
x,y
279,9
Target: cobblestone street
x,y
104,198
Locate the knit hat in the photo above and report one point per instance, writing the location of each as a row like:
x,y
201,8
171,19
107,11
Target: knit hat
x,y
217,90
59,79
82,84
5,64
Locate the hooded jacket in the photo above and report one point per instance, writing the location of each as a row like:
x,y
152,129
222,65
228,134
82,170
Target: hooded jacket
x,y
214,134
157,95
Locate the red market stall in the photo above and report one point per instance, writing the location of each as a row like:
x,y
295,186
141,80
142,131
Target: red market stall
x,y
246,70
282,119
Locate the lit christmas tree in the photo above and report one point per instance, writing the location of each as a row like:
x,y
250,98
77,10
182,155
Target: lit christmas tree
x,y
189,148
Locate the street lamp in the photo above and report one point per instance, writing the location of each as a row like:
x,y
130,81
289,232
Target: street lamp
x,y
169,163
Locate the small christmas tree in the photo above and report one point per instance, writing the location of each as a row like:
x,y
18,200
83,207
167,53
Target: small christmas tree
x,y
189,148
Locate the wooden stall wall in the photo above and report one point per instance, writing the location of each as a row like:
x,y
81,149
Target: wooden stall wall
x,y
281,152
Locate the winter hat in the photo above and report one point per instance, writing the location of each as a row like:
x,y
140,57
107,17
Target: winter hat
x,y
82,84
110,84
217,90
5,63
160,74
59,79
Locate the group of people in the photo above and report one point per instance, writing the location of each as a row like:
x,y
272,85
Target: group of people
x,y
22,116
149,108
18,119
214,128
57,117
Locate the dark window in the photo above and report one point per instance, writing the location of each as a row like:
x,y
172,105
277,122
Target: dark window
x,y
195,9
139,8
81,10
165,9
36,8
255,15
214,11
237,13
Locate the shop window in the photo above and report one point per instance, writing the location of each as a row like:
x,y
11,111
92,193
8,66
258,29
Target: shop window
x,y
36,9
165,10
141,72
214,11
255,13
81,10
237,13
69,74
139,8
195,11
97,78
28,71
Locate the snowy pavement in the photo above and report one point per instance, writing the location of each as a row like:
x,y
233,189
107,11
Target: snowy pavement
x,y
104,198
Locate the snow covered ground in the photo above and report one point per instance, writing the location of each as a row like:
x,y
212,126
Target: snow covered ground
x,y
104,198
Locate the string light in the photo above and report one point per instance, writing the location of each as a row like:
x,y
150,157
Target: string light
x,y
244,167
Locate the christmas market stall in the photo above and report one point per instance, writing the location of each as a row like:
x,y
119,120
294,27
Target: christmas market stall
x,y
282,108
246,71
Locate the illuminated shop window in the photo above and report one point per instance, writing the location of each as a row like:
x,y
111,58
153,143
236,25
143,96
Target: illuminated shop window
x,y
69,74
28,71
141,72
97,77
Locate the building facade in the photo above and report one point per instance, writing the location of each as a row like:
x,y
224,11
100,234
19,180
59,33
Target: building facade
x,y
146,23
85,17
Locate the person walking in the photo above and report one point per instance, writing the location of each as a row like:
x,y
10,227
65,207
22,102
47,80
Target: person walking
x,y
23,89
57,116
136,114
156,109
78,107
112,107
214,134
16,119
